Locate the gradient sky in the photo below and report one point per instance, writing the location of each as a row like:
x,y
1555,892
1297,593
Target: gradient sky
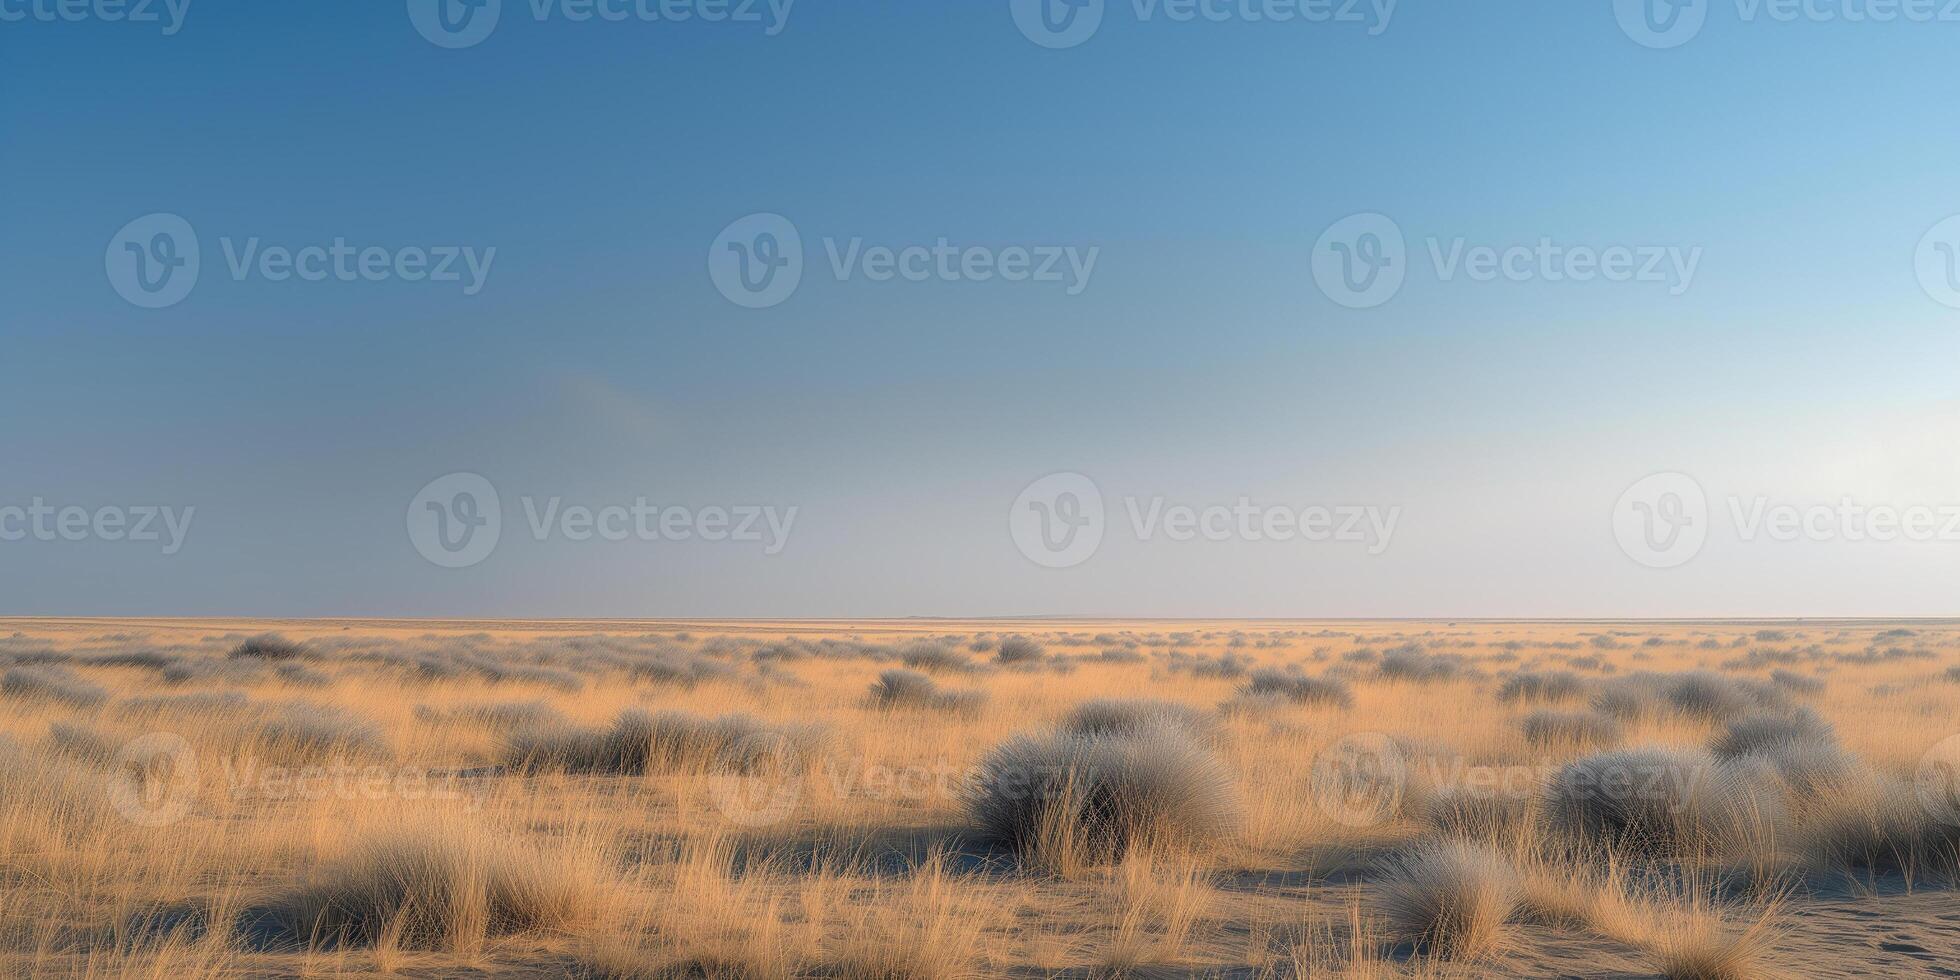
x,y
1201,364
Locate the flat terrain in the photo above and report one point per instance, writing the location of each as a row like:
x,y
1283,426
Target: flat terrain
x,y
939,798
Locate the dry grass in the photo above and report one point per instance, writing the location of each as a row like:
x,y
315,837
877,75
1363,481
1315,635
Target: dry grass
x,y
443,887
1069,801
937,800
1452,900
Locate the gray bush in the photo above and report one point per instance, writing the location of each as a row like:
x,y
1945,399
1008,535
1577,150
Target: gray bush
x,y
1097,798
1583,728
1137,716
51,683
1298,688
1529,686
897,689
638,742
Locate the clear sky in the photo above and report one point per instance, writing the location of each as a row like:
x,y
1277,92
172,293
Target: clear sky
x,y
1788,345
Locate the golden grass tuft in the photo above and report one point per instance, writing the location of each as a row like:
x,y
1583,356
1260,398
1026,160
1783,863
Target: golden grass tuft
x,y
1452,900
441,887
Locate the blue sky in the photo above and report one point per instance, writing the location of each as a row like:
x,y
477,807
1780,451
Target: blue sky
x,y
1800,162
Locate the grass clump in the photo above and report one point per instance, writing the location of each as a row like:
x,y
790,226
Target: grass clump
x,y
639,742
909,689
1659,802
1018,650
436,888
935,658
1451,900
1532,686
1298,688
51,684
1569,728
313,730
269,646
1068,801
1104,717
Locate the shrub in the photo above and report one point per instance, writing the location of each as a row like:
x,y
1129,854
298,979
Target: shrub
x,y
439,888
234,671
1867,822
1451,899
637,743
1018,650
1477,814
312,729
1581,728
1531,686
1702,695
1713,697
1069,800
51,683
910,689
1701,946
1299,688
270,646
149,659
1765,734
499,716
1657,801
1137,716
1796,683
82,742
1411,664
934,657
